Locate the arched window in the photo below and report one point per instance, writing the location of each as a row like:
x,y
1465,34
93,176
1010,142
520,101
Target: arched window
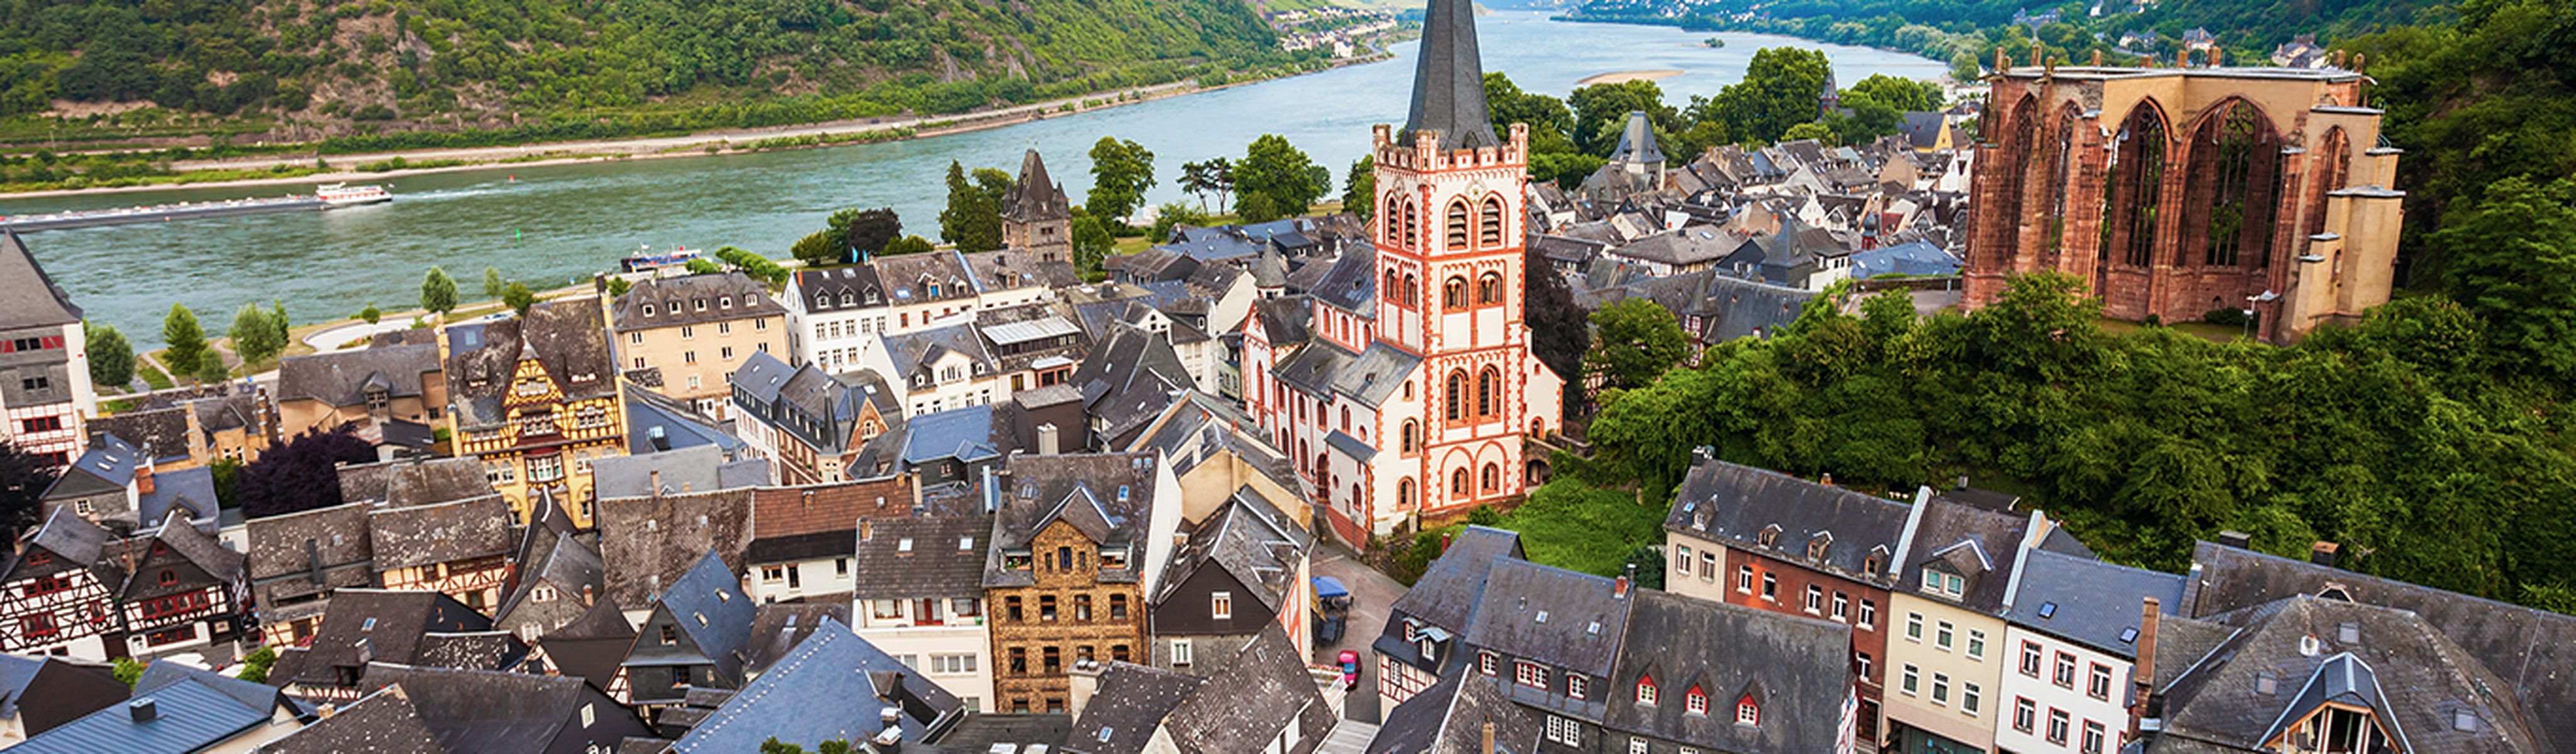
x,y
1488,382
1412,435
2332,169
2235,151
1457,394
1404,499
1392,288
1458,484
1412,226
1489,228
1493,479
2137,187
1457,228
1394,213
1356,497
1412,291
1453,294
1489,289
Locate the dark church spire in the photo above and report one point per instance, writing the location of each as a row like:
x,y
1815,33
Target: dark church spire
x,y
1449,81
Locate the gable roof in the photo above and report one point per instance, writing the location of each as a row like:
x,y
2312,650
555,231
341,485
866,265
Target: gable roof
x,y
2534,651
1977,544
1449,718
778,628
661,538
381,723
342,378
1734,503
833,664
1131,702
691,300
2090,602
361,626
568,337
938,556
1109,497
1245,704
1254,545
458,706
1797,669
440,533
43,692
1450,590
192,710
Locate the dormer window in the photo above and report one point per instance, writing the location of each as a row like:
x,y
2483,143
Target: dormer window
x,y
1816,547
1769,537
1949,585
1875,562
1746,712
1695,702
845,299
648,310
1646,690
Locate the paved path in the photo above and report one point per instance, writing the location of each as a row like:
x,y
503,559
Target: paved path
x,y
1350,737
1372,593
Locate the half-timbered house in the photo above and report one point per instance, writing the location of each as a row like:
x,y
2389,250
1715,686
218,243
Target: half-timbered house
x,y
185,591
536,400
57,596
460,548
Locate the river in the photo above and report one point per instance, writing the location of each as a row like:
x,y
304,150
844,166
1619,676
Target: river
x,y
552,224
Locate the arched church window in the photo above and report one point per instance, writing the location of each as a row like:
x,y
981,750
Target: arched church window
x,y
1412,435
1493,479
1489,289
1489,228
1389,219
1412,226
1457,226
1488,389
1453,294
1458,484
1457,393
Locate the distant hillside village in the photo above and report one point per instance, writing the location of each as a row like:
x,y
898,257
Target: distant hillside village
x,y
971,502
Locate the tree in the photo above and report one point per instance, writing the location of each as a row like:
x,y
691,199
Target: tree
x,y
519,298
1560,331
493,285
2510,258
818,248
1506,104
186,340
617,287
1279,173
1817,130
1782,88
1964,67
127,670
1359,188
973,219
438,292
254,338
1172,214
111,358
277,319
1637,340
1091,242
371,314
302,474
211,369
908,245
1213,176
1256,207
1899,94
865,231
1601,112
1120,173
23,479
255,666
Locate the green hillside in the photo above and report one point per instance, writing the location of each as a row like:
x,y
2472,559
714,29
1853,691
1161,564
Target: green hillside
x,y
307,69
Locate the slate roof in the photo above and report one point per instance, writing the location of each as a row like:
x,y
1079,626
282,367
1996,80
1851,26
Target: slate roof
x,y
1034,196
1798,671
2090,602
1449,718
710,589
381,723
1128,380
1081,489
29,297
1004,269
2534,651
42,692
193,709
823,290
338,534
693,300
1910,258
964,434
778,628
341,378
1978,544
1245,704
201,549
697,468
1726,307
1733,503
1449,81
457,706
1637,141
833,664
915,354
191,490
1256,545
922,278
567,337
161,433
562,560
411,482
1557,617
1131,702
1682,248
108,464
440,533
946,558
657,423
370,625
661,538
592,647
1351,284
1450,590
2398,664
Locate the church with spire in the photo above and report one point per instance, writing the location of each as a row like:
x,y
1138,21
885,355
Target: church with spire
x,y
1412,389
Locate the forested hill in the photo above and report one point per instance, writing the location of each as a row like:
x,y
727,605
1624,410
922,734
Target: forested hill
x,y
335,65
2241,26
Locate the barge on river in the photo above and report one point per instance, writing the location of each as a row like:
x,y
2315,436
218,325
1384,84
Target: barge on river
x,y
328,196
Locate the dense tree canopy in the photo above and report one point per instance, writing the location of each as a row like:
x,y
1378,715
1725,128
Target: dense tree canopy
x,y
1278,173
111,357
2143,441
1121,171
23,479
300,475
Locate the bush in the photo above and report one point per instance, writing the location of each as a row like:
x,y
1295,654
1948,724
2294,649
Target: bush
x,y
2229,316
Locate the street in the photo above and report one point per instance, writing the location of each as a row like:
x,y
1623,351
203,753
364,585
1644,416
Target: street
x,y
1371,595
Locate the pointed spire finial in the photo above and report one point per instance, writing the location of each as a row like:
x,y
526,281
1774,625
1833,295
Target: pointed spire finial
x,y
1449,80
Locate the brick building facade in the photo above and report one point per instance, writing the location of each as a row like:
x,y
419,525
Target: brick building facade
x,y
2174,192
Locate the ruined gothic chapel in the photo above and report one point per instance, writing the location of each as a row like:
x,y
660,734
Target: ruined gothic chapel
x,y
2173,192
1413,383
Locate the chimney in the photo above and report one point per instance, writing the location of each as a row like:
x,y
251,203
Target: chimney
x,y
1702,454
2236,539
1619,586
143,476
1047,443
867,530
2323,553
1963,483
142,710
1828,479
589,595
1085,680
654,478
326,711
2142,675
1486,742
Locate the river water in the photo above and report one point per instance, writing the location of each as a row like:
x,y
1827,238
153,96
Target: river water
x,y
553,224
